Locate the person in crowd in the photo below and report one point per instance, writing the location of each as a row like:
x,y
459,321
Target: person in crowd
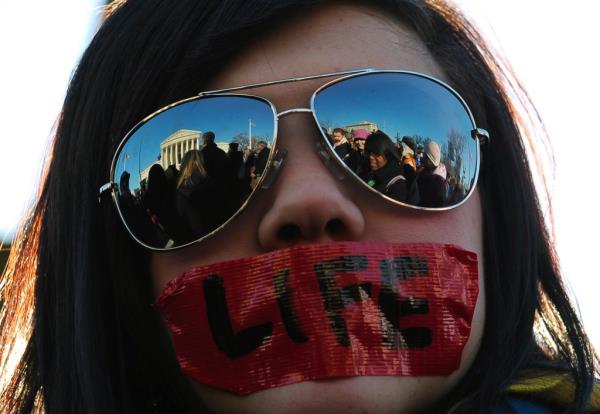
x,y
408,147
262,156
431,180
195,197
457,191
171,174
130,206
358,161
409,162
386,172
215,159
235,158
156,200
248,161
248,156
419,157
89,316
341,145
235,174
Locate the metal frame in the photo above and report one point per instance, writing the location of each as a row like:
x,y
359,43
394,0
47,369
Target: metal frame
x,y
478,134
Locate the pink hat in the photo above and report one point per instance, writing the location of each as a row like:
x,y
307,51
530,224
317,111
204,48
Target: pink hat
x,y
360,133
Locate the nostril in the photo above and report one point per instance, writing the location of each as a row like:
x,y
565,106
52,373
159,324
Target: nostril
x,y
289,233
334,227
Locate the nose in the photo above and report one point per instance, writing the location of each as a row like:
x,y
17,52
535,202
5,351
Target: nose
x,y
310,204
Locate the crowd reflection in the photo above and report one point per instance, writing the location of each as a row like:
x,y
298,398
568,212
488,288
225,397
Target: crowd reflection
x,y
196,191
174,206
418,171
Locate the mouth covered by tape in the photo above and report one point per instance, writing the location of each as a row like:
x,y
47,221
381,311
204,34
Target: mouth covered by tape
x,y
321,311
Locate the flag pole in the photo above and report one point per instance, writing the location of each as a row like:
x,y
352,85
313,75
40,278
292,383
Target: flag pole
x,y
250,132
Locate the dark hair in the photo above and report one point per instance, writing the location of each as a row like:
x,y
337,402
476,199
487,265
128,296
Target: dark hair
x,y
77,290
340,130
380,144
410,141
209,136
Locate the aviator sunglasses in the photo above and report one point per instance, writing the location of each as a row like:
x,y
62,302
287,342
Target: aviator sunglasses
x,y
188,169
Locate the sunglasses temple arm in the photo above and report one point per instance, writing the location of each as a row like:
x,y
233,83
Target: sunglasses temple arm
x,y
276,166
481,135
110,186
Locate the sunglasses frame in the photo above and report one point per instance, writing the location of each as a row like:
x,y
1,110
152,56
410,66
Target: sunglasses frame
x,y
277,156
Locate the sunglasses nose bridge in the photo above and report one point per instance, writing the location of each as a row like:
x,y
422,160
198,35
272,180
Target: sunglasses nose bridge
x,y
293,111
320,148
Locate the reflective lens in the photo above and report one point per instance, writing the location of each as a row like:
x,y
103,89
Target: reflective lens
x,y
405,135
187,170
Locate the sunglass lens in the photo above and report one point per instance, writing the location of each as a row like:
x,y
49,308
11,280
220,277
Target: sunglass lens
x,y
418,148
186,171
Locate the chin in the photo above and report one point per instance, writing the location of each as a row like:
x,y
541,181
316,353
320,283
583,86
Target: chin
x,y
363,395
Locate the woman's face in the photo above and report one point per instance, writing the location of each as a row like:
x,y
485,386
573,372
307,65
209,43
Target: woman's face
x,y
307,195
360,144
377,161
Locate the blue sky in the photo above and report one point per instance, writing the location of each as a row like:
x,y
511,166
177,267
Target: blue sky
x,y
403,104
227,117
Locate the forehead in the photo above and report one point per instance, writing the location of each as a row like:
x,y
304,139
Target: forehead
x,y
326,39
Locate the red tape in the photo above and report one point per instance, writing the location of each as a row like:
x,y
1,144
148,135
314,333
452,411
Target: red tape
x,y
323,310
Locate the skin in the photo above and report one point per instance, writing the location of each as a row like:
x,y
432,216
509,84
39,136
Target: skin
x,y
307,195
377,161
360,144
337,137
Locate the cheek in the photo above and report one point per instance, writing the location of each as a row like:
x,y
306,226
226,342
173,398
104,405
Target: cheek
x,y
461,226
239,241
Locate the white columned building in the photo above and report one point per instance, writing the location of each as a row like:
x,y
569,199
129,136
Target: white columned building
x,y
174,147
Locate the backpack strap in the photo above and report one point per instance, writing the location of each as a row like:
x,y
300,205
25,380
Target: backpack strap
x,y
394,181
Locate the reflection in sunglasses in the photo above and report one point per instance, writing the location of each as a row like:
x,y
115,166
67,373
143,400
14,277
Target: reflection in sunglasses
x,y
190,167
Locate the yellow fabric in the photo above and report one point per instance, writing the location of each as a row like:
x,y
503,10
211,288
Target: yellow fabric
x,y
553,388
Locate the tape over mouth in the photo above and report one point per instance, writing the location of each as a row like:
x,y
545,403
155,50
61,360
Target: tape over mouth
x,y
321,311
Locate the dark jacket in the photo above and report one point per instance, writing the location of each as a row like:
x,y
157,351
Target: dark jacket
x,y
431,189
195,203
215,161
390,181
343,150
235,159
261,161
359,163
248,164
